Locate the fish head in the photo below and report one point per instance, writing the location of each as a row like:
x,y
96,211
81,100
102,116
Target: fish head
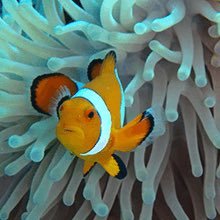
x,y
79,124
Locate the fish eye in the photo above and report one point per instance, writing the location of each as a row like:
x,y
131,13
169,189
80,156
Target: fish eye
x,y
90,113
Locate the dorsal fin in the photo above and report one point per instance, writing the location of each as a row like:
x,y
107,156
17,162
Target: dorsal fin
x,y
109,62
94,69
47,91
102,66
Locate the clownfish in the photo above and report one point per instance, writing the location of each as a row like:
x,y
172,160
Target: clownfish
x,y
91,116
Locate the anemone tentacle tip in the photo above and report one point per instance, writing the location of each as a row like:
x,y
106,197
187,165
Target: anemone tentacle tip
x,y
68,201
210,102
183,74
13,141
201,81
58,30
171,115
140,28
36,155
54,63
102,210
197,171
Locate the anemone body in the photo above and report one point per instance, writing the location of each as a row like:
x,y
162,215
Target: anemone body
x,y
168,55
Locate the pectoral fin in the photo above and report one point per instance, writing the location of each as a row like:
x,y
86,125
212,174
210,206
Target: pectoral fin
x,y
88,165
115,167
49,89
145,127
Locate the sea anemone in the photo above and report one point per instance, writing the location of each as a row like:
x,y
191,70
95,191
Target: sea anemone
x,y
168,55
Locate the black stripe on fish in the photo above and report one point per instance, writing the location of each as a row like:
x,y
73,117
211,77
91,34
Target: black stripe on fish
x,y
65,98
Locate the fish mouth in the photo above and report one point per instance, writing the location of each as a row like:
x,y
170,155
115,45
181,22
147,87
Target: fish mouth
x,y
72,130
68,130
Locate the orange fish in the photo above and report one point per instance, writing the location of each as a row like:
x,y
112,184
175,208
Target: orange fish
x,y
91,117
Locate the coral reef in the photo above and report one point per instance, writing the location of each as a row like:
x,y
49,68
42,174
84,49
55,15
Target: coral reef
x,y
168,55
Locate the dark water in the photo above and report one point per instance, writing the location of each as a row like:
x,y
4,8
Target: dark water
x,y
68,18
76,1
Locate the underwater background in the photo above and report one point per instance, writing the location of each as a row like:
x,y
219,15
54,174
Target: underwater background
x,y
168,55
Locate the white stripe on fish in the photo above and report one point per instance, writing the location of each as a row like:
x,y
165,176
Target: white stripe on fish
x,y
105,118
